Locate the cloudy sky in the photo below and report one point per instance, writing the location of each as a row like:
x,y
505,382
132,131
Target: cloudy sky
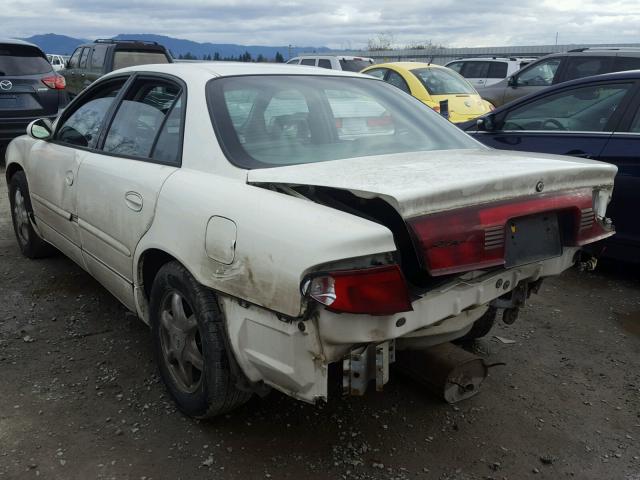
x,y
333,23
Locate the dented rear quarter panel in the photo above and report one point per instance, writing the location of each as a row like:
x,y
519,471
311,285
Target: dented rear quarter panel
x,y
279,237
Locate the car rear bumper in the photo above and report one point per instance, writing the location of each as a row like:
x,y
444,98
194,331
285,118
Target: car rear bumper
x,y
11,128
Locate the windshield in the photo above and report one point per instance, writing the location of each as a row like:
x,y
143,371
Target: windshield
x,y
439,81
264,121
355,65
22,60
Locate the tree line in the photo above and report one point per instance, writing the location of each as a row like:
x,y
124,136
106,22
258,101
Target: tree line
x,y
245,57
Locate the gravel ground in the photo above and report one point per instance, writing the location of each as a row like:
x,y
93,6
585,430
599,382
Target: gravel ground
x,y
80,397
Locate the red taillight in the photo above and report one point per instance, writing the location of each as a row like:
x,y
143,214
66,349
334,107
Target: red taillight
x,y
436,108
471,238
375,291
338,123
55,82
382,121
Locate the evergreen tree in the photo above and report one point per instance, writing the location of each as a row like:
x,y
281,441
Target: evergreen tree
x,y
260,58
279,58
216,56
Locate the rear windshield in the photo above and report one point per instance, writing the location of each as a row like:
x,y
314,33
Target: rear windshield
x,y
438,81
22,60
264,121
354,65
129,58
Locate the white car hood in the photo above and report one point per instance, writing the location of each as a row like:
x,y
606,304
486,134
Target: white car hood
x,y
418,183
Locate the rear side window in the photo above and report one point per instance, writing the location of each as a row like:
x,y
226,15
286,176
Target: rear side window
x,y
456,66
354,65
579,67
98,56
83,126
540,74
22,60
635,126
475,70
140,117
626,63
497,70
308,61
129,58
377,72
324,63
395,79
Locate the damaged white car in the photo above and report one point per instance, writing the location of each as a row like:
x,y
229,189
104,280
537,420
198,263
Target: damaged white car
x,y
274,223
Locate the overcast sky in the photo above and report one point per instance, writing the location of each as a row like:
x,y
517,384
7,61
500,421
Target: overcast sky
x,y
337,24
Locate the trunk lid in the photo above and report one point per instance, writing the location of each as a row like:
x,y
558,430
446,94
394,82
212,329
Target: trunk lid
x,y
421,183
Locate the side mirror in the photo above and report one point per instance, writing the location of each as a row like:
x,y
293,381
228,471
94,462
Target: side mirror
x,y
512,82
40,129
486,123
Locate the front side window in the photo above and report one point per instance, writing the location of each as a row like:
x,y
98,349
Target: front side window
x,y
83,57
584,109
439,81
539,75
395,79
264,121
635,125
626,63
82,127
311,62
75,58
140,118
129,58
324,63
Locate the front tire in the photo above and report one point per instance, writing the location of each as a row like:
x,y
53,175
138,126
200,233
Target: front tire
x,y
30,243
189,345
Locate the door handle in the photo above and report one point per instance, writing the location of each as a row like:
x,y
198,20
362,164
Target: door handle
x,y
133,201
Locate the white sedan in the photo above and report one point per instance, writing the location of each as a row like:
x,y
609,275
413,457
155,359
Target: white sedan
x,y
270,221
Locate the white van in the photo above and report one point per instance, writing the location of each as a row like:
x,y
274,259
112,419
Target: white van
x,y
482,71
333,62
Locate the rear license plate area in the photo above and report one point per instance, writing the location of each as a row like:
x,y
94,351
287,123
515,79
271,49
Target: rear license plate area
x,y
533,238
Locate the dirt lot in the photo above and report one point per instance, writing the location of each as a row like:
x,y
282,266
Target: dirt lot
x,y
80,397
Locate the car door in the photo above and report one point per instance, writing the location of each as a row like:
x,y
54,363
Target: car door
x,y
83,69
532,79
623,150
52,167
70,72
96,62
476,72
573,121
496,73
119,182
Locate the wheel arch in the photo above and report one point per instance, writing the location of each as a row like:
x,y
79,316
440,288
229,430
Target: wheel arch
x,y
12,169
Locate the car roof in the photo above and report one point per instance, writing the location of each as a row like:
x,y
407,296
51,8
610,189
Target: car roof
x,y
230,69
408,65
16,41
493,59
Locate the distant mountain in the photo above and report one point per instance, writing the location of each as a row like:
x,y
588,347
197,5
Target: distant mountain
x,y
53,43
61,44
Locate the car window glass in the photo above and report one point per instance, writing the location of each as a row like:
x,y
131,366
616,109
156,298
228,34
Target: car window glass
x,y
300,119
75,58
129,58
626,63
441,81
139,118
22,60
539,75
308,61
580,67
377,72
635,125
168,145
395,79
475,70
456,66
293,61
324,63
82,127
83,58
584,109
97,58
354,65
497,70
239,103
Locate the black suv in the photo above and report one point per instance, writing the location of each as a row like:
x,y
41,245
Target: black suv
x,y
561,67
92,60
29,88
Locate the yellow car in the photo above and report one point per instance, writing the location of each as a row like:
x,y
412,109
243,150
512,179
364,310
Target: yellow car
x,y
431,84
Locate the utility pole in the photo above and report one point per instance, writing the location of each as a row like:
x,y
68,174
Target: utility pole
x,y
289,58
556,39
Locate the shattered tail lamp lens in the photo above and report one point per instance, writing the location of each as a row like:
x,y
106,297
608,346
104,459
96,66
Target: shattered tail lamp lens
x,y
374,291
473,238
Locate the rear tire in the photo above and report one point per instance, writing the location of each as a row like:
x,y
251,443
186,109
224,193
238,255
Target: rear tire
x,y
30,243
481,327
188,331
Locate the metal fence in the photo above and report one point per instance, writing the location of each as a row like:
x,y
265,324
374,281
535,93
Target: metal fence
x,y
441,56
